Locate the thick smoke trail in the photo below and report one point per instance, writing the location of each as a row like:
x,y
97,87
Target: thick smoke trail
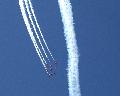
x,y
73,57
26,20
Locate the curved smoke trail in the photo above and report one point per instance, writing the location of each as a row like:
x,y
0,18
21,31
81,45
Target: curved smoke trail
x,y
73,57
30,17
32,10
27,9
21,3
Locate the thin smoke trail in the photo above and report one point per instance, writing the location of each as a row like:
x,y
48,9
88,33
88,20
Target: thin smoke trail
x,y
39,29
26,7
30,17
73,57
26,20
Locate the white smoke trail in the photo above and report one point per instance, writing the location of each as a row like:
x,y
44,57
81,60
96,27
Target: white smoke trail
x,y
39,28
30,17
26,20
73,57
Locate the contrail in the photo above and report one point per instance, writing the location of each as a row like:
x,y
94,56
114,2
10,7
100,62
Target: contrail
x,y
73,57
26,20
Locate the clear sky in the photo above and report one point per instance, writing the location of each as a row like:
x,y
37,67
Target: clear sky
x,y
97,26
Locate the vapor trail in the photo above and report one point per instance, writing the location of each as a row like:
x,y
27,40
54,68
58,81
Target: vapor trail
x,y
26,20
73,57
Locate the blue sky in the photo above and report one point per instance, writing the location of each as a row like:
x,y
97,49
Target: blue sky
x,y
97,31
